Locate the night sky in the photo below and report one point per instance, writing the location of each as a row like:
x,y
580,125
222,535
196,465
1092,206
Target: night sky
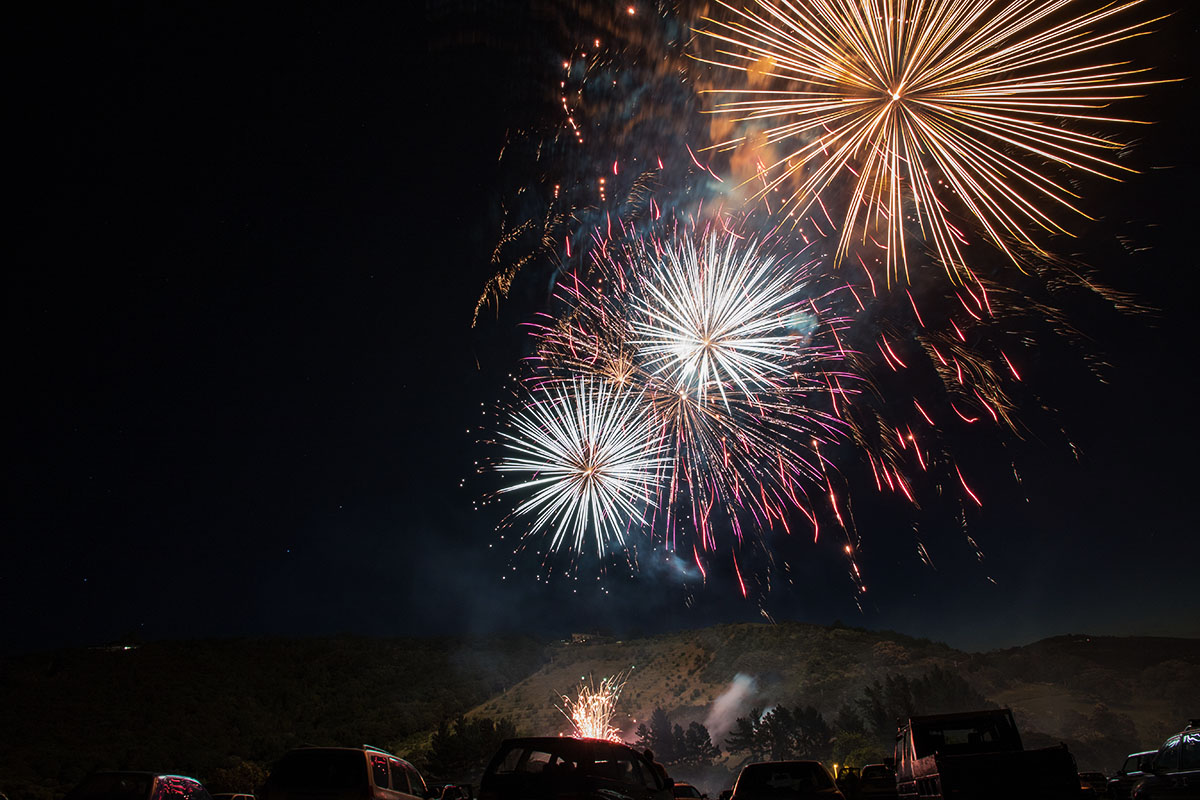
x,y
245,393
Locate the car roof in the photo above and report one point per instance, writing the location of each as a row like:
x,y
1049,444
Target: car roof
x,y
782,763
569,742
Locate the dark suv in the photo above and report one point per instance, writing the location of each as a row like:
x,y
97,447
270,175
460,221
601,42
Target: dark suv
x,y
335,773
1120,785
1175,771
544,768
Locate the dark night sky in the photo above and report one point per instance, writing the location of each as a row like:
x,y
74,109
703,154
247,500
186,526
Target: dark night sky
x,y
243,382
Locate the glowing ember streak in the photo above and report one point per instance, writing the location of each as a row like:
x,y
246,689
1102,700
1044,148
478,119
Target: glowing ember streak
x,y
925,103
963,481
591,710
593,461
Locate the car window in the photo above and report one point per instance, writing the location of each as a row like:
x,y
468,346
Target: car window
x,y
617,768
414,777
521,760
511,760
536,761
1189,754
399,776
1168,756
783,779
379,771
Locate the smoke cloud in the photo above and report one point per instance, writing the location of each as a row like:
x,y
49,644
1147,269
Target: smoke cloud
x,y
730,705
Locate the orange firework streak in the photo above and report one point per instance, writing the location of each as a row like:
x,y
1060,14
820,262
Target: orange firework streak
x,y
922,102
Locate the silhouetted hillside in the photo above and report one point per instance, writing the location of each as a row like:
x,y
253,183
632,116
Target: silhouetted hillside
x,y
194,707
206,706
1104,696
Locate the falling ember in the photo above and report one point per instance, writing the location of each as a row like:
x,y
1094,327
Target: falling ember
x,y
592,708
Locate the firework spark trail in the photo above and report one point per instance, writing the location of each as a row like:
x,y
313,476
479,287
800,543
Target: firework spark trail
x,y
592,461
941,105
592,708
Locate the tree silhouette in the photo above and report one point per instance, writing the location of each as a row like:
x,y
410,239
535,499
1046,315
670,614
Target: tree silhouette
x,y
464,746
782,733
698,746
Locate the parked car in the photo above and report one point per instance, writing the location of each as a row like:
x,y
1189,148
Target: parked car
x,y
785,780
1175,771
137,786
332,773
543,768
877,782
1093,784
1120,785
686,790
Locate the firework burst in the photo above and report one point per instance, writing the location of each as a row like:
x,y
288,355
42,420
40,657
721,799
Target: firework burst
x,y
930,108
718,316
590,459
592,708
736,354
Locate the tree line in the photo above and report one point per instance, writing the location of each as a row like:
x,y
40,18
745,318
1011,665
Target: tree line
x,y
861,732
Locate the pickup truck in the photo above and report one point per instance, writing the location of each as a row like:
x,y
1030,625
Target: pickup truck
x,y
978,756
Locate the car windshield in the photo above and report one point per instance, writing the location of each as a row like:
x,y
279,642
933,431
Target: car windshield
x,y
320,770
782,778
983,734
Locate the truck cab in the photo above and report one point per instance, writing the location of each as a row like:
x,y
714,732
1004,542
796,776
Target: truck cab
x,y
978,755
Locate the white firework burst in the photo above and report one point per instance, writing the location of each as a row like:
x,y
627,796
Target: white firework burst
x,y
725,315
593,461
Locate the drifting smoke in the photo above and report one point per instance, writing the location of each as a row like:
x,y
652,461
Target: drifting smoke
x,y
729,706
